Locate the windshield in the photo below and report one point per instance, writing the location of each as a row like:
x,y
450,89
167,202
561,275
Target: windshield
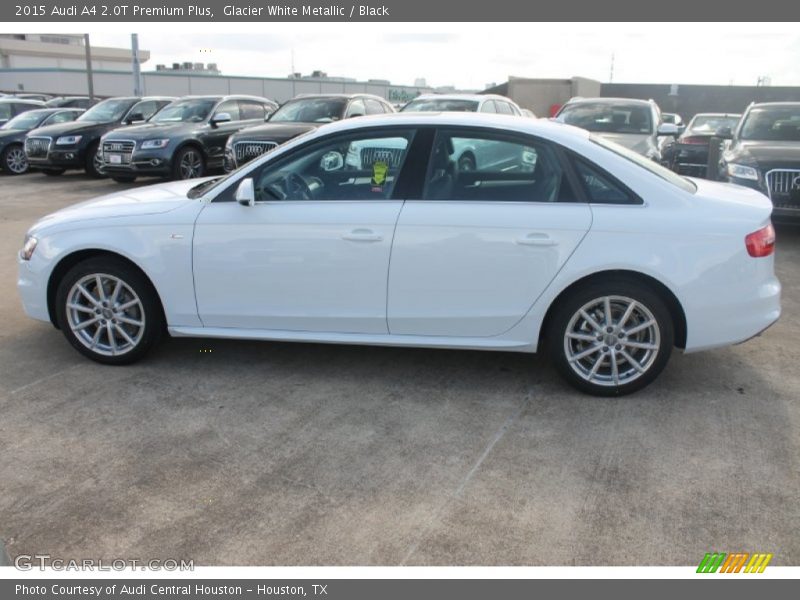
x,y
646,163
711,123
441,105
108,110
608,117
25,121
188,111
774,124
311,110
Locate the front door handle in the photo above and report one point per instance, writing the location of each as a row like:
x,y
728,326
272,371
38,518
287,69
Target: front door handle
x,y
536,239
362,235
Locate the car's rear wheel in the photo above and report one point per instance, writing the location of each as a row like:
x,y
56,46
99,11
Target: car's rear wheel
x,y
611,338
14,160
109,311
188,164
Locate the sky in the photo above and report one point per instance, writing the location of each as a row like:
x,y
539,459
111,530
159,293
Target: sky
x,y
472,55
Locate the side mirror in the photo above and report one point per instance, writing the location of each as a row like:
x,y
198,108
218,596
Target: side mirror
x,y
668,129
246,193
135,117
222,117
331,161
725,133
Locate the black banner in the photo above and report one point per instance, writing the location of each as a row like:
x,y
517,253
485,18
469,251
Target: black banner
x,y
105,11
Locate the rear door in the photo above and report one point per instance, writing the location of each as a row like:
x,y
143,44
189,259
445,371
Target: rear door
x,y
472,256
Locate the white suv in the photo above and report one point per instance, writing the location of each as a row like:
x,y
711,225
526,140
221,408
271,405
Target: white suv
x,y
484,103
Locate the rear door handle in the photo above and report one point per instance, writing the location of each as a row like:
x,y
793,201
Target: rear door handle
x,y
362,235
536,239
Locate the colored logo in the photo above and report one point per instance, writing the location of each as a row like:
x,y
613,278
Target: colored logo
x,y
735,562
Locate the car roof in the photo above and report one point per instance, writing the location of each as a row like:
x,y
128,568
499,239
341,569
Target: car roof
x,y
220,97
774,104
550,129
18,100
474,97
337,95
708,114
55,109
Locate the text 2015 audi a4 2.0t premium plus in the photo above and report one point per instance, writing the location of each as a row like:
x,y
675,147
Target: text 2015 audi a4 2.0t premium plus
x,y
56,148
581,247
765,154
185,140
297,116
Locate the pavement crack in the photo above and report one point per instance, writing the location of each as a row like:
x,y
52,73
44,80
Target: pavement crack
x,y
467,478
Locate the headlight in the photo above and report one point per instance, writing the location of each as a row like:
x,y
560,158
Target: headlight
x,y
150,144
68,140
742,172
28,247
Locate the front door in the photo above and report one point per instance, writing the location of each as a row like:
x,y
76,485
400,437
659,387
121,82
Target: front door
x,y
312,254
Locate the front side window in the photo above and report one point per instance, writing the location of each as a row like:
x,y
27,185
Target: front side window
x,y
144,109
231,107
374,107
773,124
489,167
185,111
503,108
356,108
609,117
490,106
108,111
250,110
354,167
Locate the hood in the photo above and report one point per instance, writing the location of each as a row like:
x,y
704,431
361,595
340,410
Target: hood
x,y
9,134
71,128
638,142
148,131
758,152
153,199
275,132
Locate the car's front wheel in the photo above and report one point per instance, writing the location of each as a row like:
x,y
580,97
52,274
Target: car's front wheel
x,y
108,311
95,167
13,160
188,164
611,338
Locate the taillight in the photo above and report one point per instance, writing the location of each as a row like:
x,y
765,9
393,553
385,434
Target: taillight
x,y
696,140
761,243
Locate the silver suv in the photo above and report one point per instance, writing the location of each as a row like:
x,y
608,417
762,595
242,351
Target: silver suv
x,y
635,124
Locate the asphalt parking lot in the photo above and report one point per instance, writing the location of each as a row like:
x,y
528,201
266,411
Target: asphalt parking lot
x,y
237,453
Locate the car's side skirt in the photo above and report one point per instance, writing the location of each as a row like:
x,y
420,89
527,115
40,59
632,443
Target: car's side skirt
x,y
466,343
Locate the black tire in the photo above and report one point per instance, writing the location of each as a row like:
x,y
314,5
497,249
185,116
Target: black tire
x,y
148,307
182,157
91,163
13,160
53,172
654,343
123,179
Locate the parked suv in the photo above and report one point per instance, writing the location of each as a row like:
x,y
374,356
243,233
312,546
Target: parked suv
x,y
185,140
12,134
689,155
764,154
11,106
635,124
299,115
56,148
484,103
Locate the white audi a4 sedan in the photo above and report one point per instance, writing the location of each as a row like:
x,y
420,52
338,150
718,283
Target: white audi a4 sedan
x,y
552,238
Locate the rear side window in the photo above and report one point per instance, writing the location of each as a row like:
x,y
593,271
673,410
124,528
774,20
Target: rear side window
x,y
600,187
487,167
60,117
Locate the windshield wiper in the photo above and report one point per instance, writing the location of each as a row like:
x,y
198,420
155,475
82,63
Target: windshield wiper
x,y
201,187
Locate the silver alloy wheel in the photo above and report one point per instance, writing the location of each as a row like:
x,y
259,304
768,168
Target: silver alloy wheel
x,y
16,161
612,341
105,314
191,165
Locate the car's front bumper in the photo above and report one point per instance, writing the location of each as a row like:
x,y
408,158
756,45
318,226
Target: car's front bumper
x,y
142,162
68,158
32,276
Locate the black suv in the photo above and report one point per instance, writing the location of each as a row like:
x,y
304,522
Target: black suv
x,y
299,115
12,134
56,148
185,140
764,153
